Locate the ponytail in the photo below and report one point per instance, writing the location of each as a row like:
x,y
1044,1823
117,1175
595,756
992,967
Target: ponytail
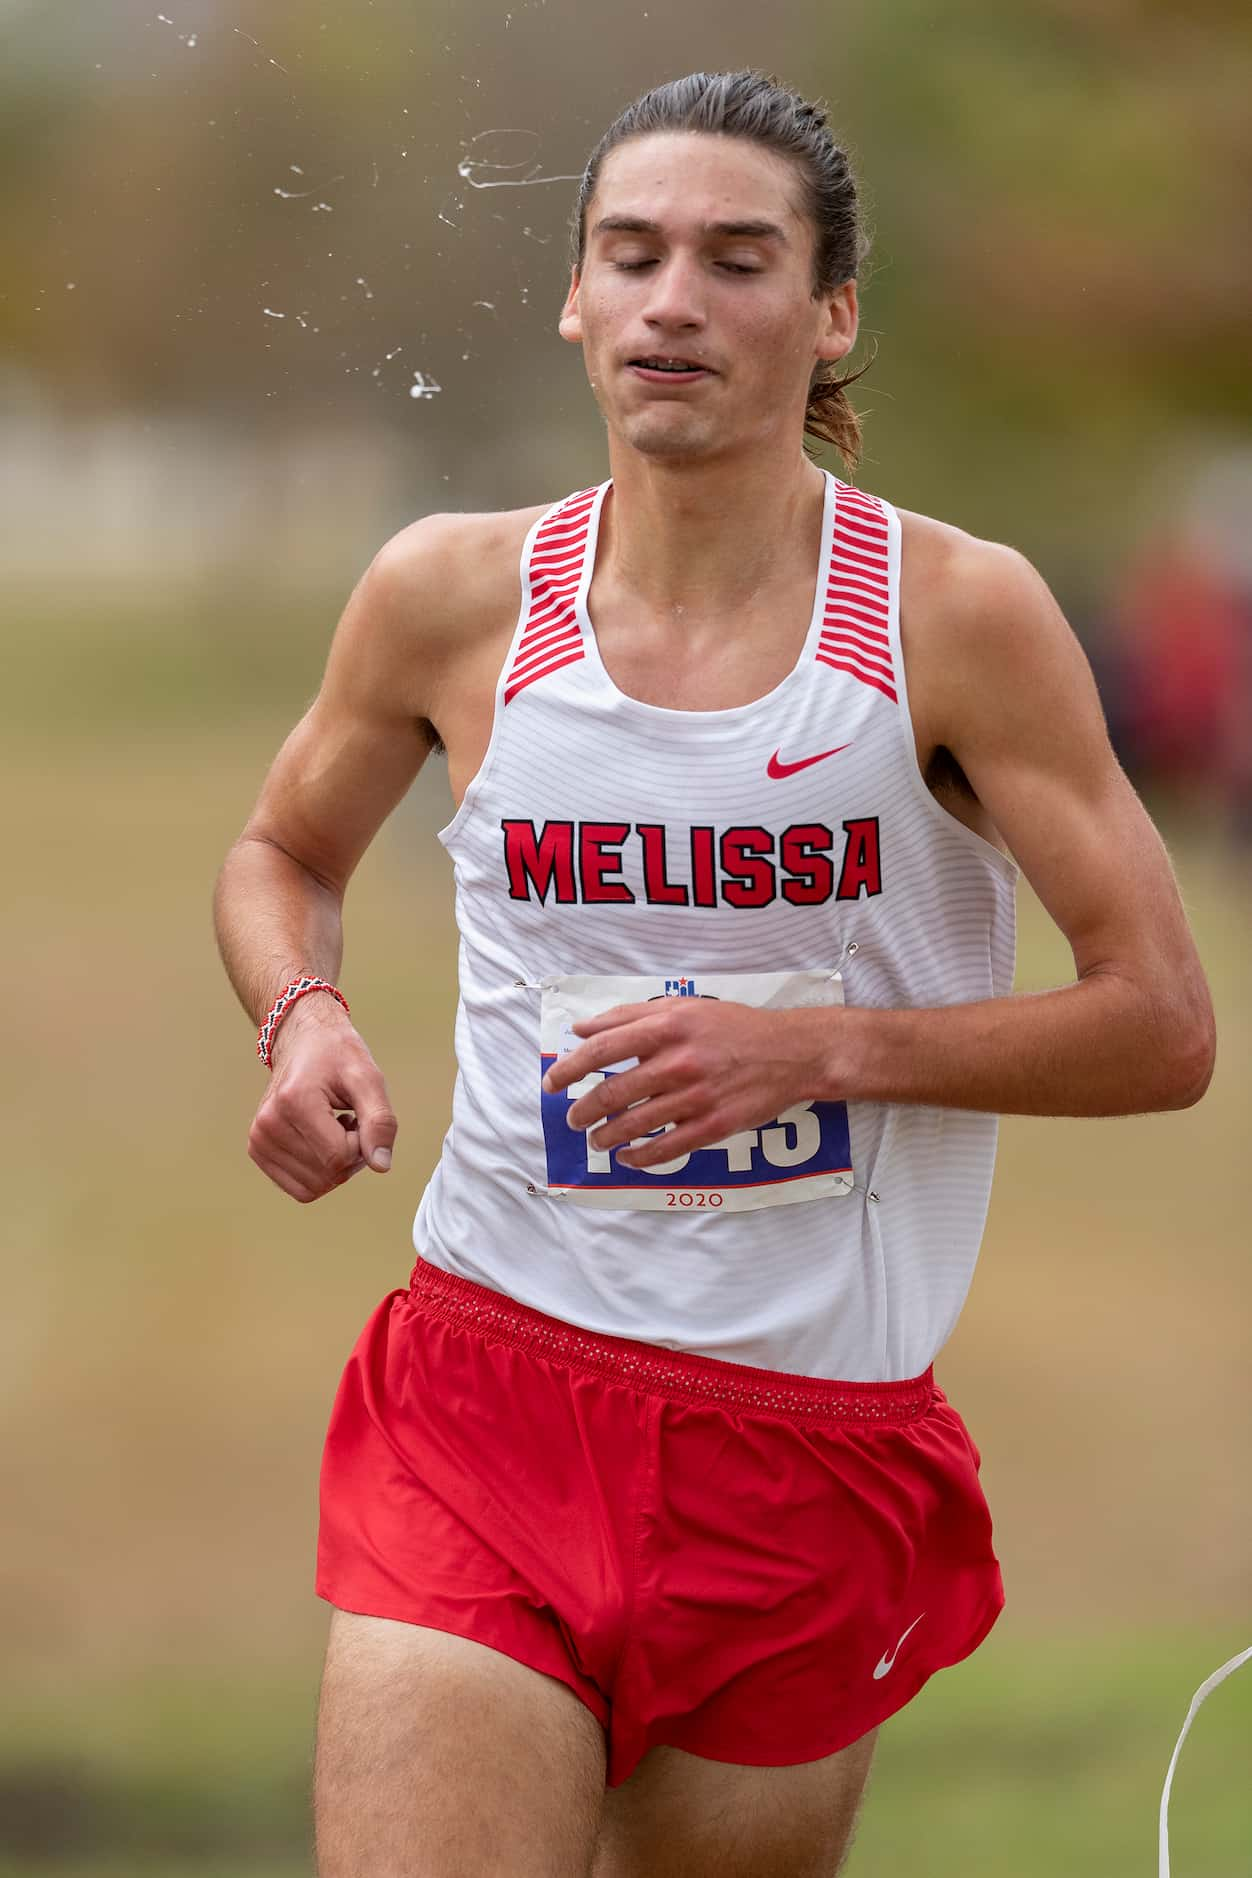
x,y
830,418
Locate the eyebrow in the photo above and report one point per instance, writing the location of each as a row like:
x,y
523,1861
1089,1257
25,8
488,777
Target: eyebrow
x,y
639,225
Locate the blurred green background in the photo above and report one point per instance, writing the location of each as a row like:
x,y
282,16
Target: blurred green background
x,y
237,238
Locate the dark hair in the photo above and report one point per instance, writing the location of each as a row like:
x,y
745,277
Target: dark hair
x,y
762,110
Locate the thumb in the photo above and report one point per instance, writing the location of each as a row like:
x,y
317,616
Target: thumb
x,y
378,1133
376,1126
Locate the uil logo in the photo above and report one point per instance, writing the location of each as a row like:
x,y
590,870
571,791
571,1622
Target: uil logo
x,y
682,988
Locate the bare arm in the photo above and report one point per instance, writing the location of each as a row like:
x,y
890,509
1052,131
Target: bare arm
x,y
278,899
1011,695
1016,704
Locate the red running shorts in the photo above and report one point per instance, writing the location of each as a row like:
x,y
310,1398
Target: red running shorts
x,y
755,1566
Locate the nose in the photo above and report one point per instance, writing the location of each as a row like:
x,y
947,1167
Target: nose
x,y
676,300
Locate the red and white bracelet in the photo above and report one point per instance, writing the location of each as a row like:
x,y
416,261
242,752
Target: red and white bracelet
x,y
289,995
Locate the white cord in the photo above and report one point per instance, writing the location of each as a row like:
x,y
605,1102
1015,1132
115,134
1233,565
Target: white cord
x,y
1205,1688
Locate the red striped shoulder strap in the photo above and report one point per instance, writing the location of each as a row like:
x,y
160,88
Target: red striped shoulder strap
x,y
551,636
854,636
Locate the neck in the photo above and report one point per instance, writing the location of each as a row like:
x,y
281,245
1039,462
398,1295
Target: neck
x,y
698,539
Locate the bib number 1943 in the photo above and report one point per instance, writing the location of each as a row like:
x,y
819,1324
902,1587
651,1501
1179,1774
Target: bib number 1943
x,y
801,1154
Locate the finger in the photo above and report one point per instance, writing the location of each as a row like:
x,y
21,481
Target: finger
x,y
698,1132
284,1173
320,1149
356,1160
612,1046
348,1123
604,1020
614,1018
318,1130
322,1180
301,1161
614,1094
296,1188
642,1120
376,1123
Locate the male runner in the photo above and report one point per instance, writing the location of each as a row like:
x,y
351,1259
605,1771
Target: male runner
x,y
641,1509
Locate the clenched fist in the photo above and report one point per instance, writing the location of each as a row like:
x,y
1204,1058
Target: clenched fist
x,y
325,1114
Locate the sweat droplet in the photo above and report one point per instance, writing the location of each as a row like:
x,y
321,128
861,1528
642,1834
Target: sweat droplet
x,y
469,166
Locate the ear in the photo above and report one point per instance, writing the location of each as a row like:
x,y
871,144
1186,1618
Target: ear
x,y
570,325
839,320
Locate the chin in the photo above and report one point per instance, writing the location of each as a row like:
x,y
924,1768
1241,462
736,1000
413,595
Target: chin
x,y
665,440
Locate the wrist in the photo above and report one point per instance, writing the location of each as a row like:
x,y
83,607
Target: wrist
x,y
295,994
318,1011
848,1043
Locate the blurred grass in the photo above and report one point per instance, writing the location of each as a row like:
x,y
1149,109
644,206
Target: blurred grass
x,y
1028,1760
125,660
175,1327
164,1868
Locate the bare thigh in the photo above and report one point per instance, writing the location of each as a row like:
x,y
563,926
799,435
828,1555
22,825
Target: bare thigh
x,y
681,1816
438,1757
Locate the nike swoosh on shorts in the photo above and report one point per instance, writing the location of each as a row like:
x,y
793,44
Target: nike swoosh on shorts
x,y
885,1662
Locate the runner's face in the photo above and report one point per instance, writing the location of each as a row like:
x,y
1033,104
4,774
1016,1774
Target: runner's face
x,y
697,251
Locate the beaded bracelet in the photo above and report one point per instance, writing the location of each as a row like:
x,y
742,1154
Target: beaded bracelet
x,y
298,988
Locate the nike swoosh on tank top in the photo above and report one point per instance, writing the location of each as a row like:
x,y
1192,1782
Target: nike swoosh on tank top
x,y
609,850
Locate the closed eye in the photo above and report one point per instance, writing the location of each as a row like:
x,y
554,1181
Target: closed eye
x,y
732,267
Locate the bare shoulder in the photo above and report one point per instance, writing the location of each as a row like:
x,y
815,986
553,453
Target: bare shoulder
x,y
448,586
431,599
462,559
978,621
949,574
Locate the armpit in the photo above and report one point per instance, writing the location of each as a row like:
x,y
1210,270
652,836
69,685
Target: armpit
x,y
950,786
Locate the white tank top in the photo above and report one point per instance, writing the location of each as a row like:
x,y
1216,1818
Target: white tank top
x,y
781,852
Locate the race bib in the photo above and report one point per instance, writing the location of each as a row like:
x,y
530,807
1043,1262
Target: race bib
x,y
802,1154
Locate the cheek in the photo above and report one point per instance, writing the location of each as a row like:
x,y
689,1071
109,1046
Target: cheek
x,y
606,306
768,352
596,319
769,333
786,350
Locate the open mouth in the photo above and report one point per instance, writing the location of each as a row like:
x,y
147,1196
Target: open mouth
x,y
660,366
